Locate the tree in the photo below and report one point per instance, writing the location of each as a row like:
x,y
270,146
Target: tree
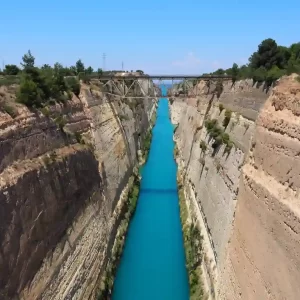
x,y
73,85
28,60
295,50
260,74
99,71
73,70
234,72
11,70
58,85
29,94
46,67
266,55
89,70
79,67
219,72
274,74
284,54
140,71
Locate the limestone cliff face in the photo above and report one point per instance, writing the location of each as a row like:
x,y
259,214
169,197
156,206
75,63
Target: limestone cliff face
x,y
263,255
59,196
212,175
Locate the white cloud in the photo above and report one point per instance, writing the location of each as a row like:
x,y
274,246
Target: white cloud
x,y
190,60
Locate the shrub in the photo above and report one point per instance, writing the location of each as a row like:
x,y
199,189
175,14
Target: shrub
x,y
74,85
10,110
221,107
227,118
219,88
29,94
60,122
210,124
45,111
203,146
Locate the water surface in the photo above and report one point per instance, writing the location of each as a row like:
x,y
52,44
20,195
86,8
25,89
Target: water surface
x,y
152,266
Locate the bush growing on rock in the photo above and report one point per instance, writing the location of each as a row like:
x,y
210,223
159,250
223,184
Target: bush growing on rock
x,y
221,107
203,146
227,118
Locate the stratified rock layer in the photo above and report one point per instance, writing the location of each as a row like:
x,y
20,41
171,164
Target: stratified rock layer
x,y
211,176
263,256
59,197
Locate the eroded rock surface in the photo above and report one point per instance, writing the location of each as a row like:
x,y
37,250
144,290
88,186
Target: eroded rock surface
x,y
263,256
62,175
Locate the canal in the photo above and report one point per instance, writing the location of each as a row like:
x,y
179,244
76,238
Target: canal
x,y
153,261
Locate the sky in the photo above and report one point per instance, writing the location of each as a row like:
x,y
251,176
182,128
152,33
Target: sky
x,y
157,36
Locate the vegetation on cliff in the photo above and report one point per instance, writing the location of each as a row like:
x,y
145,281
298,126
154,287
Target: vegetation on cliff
x,y
218,134
44,85
268,63
193,247
127,212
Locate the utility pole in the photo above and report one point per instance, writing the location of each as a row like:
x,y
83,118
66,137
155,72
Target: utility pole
x,y
104,58
122,66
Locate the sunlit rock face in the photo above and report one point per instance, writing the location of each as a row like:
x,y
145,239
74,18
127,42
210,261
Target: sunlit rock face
x,y
59,195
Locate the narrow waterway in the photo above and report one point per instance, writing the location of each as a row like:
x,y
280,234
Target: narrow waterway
x,y
153,260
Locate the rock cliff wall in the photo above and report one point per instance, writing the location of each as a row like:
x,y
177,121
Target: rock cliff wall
x,y
263,255
63,170
212,174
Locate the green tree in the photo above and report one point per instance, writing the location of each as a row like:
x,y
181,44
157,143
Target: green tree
x,y
11,70
266,56
74,85
260,74
89,70
284,54
73,70
295,50
29,93
46,67
100,72
293,65
79,67
219,72
274,74
28,60
234,72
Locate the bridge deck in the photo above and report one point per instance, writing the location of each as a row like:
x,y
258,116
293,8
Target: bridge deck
x,y
161,77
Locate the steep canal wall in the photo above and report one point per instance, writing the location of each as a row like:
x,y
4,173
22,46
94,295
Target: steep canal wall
x,y
228,176
64,176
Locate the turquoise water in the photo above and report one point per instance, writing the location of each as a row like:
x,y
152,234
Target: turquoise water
x,y
152,266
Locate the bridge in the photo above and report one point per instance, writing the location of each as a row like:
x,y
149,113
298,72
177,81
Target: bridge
x,y
140,85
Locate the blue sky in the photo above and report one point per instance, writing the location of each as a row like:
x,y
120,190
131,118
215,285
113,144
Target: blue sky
x,y
183,37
